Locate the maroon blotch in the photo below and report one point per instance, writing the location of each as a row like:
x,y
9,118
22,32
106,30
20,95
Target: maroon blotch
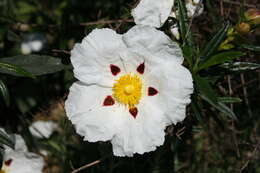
x,y
152,91
114,69
140,68
133,111
109,101
8,162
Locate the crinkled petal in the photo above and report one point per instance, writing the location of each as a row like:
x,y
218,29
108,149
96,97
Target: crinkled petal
x,y
174,85
152,43
142,134
84,107
152,12
42,129
91,59
24,162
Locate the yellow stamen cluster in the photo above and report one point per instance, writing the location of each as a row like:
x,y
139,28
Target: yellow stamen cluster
x,y
128,90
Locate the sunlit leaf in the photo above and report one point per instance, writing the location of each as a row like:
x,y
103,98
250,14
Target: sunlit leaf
x,y
5,93
14,70
220,58
36,64
250,47
240,66
229,100
214,43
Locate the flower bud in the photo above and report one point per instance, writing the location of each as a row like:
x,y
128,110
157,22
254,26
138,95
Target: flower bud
x,y
243,28
253,15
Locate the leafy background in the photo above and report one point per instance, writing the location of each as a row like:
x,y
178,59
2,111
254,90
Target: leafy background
x,y
221,132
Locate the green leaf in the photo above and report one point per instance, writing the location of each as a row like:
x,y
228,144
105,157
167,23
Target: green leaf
x,y
6,140
214,42
220,107
183,19
240,66
229,100
220,58
205,88
36,64
14,70
5,93
185,32
250,47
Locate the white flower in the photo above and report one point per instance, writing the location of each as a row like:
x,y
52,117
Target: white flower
x,y
34,42
42,129
152,12
20,160
131,87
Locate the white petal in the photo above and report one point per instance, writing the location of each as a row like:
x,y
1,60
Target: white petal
x,y
42,129
26,48
142,134
174,84
152,43
84,107
24,162
152,12
36,45
92,58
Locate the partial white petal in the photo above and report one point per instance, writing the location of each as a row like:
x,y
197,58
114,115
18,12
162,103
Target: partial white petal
x,y
152,12
153,44
24,162
26,48
174,84
142,134
92,58
36,45
42,129
85,109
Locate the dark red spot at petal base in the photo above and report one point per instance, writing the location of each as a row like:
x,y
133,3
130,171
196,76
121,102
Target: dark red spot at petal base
x,y
133,111
109,101
114,69
8,162
140,68
152,91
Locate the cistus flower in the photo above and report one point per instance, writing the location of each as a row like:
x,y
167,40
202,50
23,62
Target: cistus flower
x,y
20,160
152,12
42,129
130,88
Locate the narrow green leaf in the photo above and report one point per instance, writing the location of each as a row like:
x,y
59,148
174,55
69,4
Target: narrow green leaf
x,y
36,64
183,19
229,100
185,32
6,140
250,47
240,66
220,107
220,58
205,89
14,69
214,42
5,93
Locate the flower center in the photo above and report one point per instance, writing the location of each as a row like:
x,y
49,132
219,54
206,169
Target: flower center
x,y
128,89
